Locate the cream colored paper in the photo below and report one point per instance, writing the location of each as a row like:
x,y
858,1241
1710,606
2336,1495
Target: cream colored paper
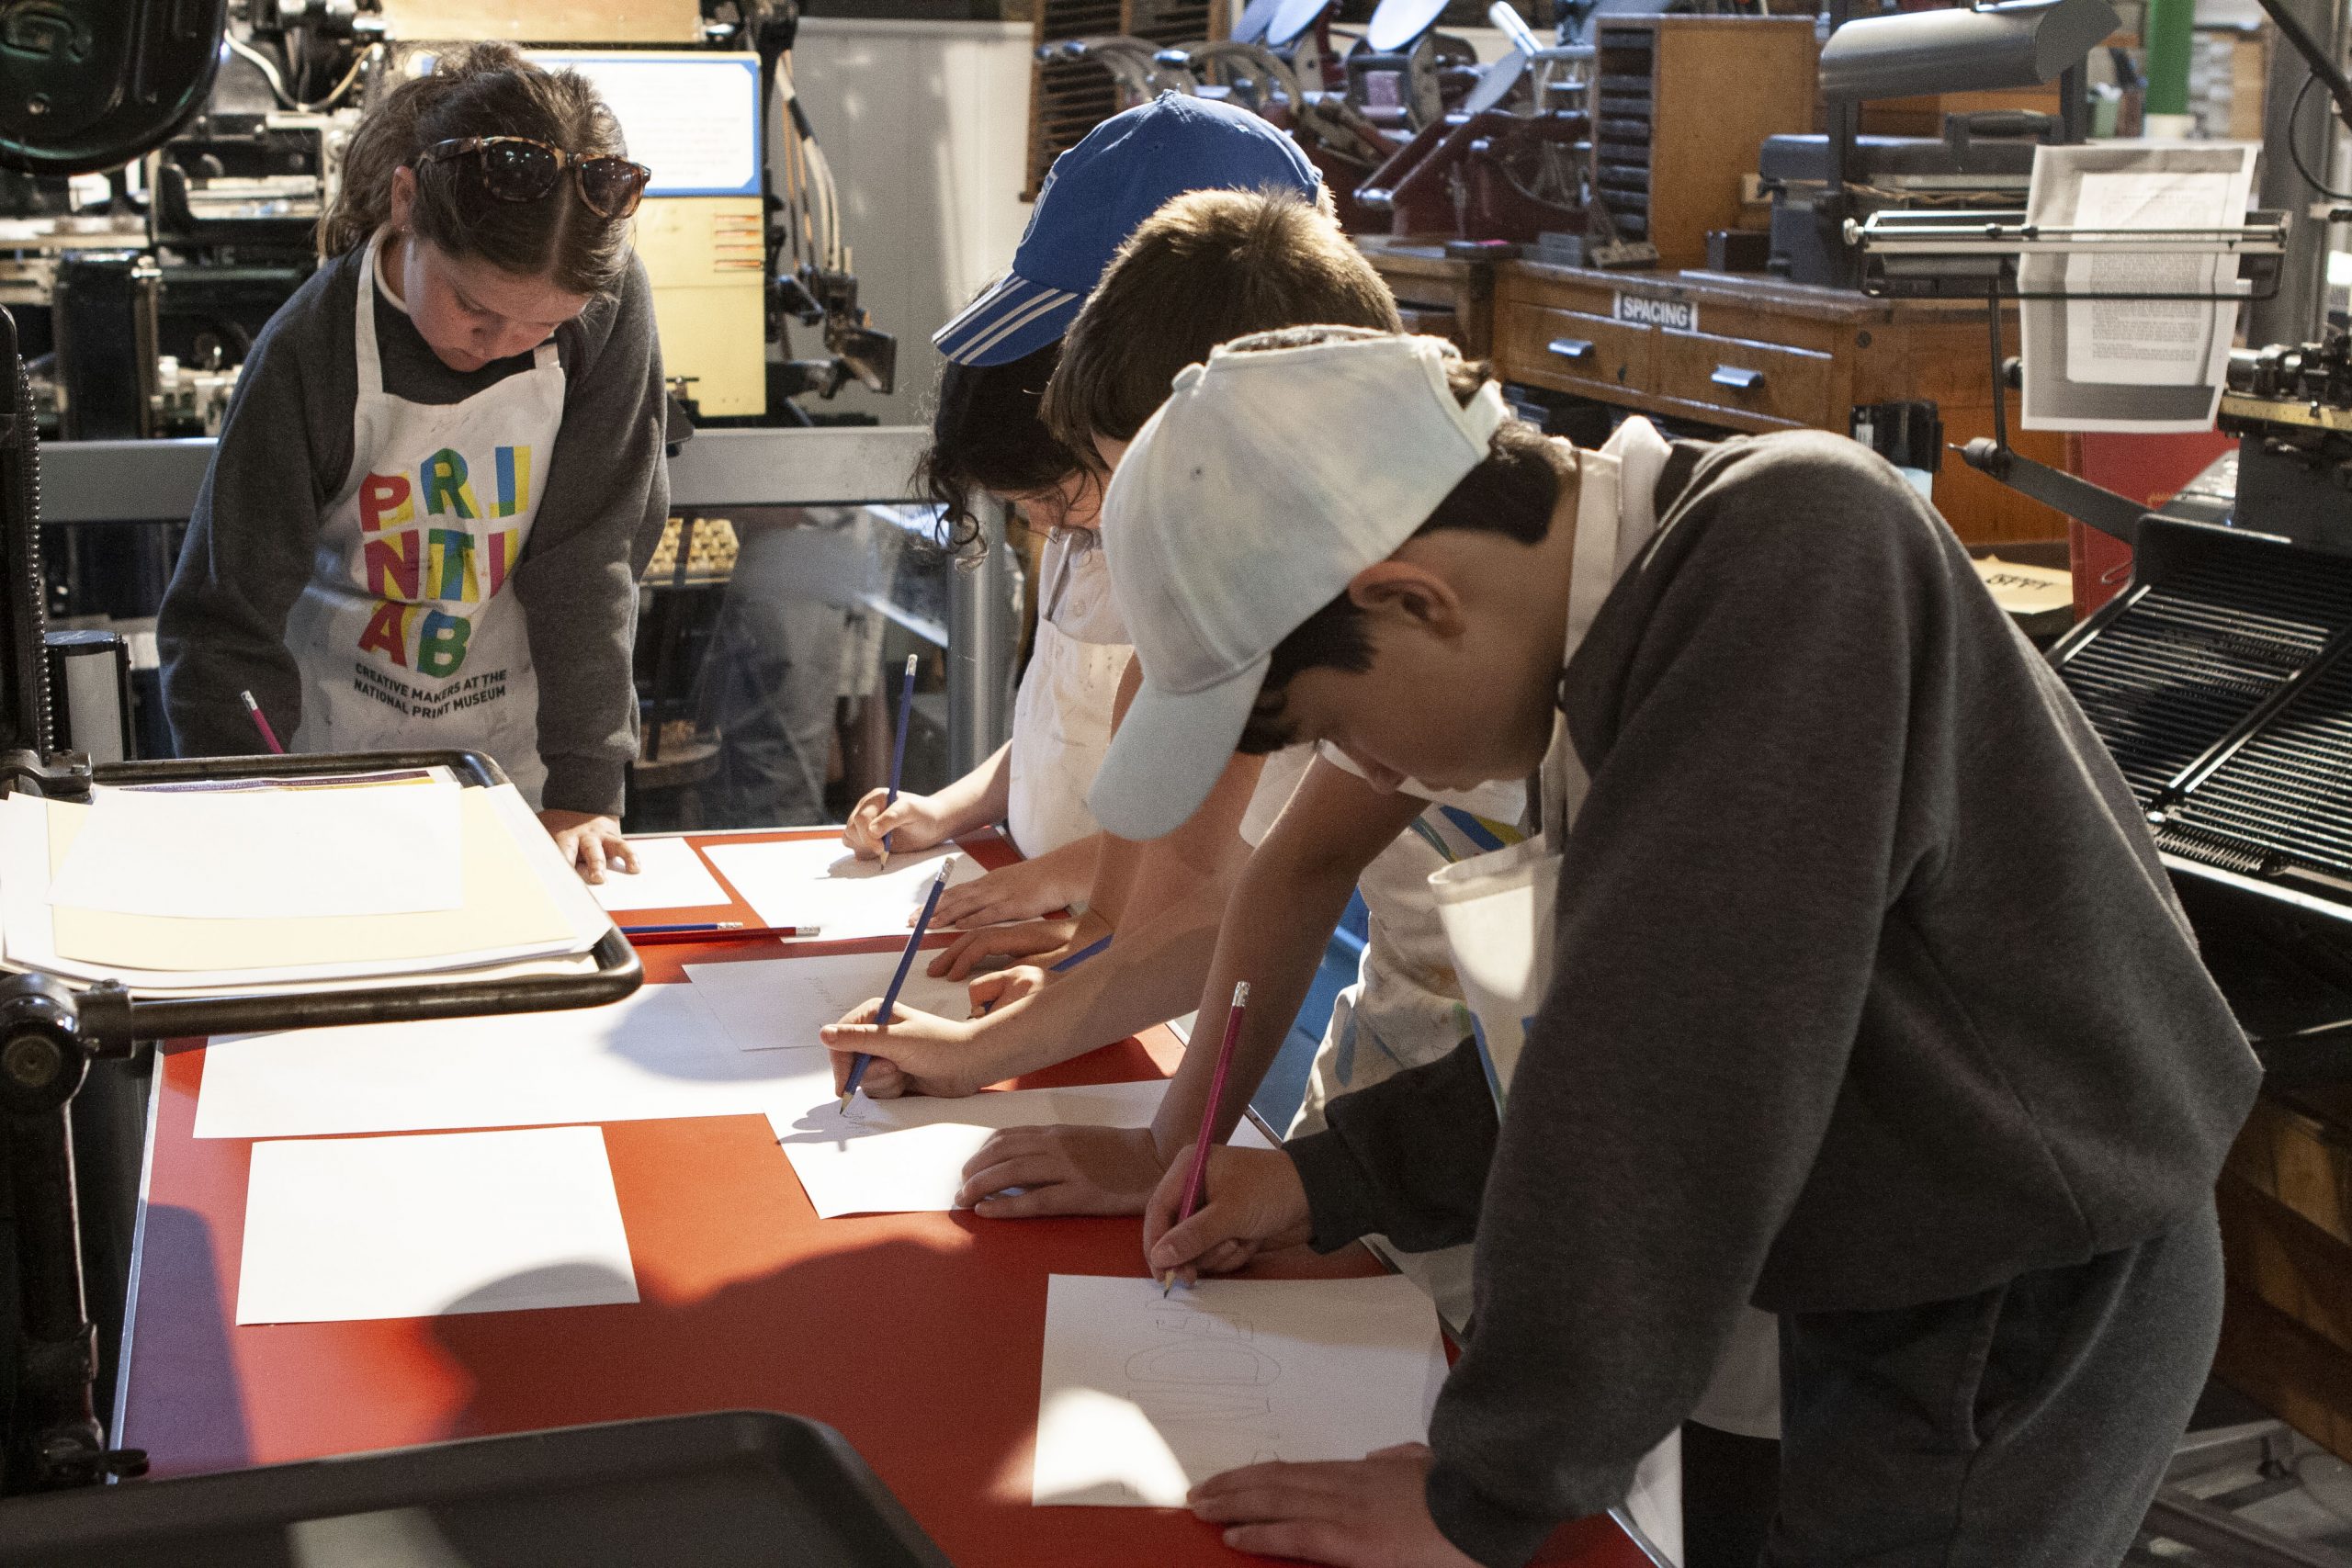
x,y
671,874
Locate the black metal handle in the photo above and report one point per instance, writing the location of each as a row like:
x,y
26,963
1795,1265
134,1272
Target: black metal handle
x,y
1737,378
1571,347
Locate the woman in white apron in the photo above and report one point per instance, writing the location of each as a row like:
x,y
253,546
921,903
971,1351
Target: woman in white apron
x,y
987,440
483,241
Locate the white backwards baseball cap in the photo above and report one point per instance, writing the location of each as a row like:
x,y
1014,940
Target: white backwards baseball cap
x,y
1265,482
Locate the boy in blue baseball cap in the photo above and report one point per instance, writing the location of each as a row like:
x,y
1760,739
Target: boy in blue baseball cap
x,y
987,438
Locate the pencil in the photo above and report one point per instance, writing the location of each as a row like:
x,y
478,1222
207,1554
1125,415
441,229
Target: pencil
x,y
899,751
1199,1170
863,1060
1064,966
261,722
725,931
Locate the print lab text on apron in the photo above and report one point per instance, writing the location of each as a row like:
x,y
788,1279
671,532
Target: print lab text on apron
x,y
409,633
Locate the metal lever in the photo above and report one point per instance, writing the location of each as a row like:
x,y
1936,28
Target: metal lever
x,y
1738,378
1571,347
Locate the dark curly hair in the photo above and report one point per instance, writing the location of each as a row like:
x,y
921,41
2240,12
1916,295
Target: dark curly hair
x,y
986,435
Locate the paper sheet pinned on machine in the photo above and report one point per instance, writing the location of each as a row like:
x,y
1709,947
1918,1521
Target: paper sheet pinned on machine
x,y
1142,1396
908,1154
339,1229
821,882
519,902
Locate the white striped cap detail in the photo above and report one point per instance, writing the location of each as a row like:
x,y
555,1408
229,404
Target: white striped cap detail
x,y
1012,319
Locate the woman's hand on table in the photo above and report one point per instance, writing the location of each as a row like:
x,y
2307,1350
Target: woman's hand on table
x,y
1061,1170
912,822
1368,1513
589,843
1021,891
1252,1201
915,1053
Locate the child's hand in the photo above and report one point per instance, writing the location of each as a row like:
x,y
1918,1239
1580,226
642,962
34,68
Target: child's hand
x,y
911,821
916,1053
1031,938
1021,891
1368,1513
1250,1200
1002,988
589,843
1062,1170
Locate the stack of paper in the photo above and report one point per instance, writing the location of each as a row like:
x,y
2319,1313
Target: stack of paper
x,y
343,1228
818,882
899,1156
1143,1395
223,889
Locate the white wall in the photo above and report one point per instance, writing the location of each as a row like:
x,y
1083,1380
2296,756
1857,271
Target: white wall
x,y
926,125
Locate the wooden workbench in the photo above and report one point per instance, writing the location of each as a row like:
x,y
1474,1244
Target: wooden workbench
x,y
918,1335
1752,354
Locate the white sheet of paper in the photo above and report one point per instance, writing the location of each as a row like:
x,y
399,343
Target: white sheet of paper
x,y
900,1156
267,854
656,1054
818,882
343,1228
1142,1396
669,874
2147,343
773,1004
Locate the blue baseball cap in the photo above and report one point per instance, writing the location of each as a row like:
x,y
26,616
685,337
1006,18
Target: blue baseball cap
x,y
1100,192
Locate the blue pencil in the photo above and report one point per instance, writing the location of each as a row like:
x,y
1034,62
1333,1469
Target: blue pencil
x,y
1080,957
859,1062
899,751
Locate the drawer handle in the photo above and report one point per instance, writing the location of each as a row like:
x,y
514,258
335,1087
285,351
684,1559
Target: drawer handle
x,y
1571,347
1737,377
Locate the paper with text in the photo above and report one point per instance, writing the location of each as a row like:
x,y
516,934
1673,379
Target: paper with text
x,y
671,874
1142,1396
266,853
345,1228
657,1053
819,882
776,1004
883,1156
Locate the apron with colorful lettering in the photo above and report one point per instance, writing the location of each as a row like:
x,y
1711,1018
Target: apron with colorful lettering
x,y
409,633
1061,715
1497,909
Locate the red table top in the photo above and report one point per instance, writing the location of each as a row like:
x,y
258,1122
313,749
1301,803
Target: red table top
x,y
920,1337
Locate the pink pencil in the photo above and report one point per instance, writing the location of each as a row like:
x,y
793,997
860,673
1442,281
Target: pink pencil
x,y
268,736
1199,1170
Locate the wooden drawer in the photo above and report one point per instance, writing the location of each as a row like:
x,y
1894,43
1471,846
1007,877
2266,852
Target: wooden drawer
x,y
1572,351
1761,380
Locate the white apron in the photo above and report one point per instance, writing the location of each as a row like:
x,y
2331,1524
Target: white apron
x,y
1061,715
409,633
1497,909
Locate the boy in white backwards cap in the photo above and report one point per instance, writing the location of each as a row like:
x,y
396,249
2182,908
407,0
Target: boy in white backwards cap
x,y
1787,1004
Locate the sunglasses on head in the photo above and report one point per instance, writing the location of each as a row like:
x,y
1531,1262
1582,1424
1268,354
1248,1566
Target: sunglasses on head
x,y
517,168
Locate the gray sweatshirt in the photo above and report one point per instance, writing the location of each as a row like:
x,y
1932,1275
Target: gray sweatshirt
x,y
1869,991
285,453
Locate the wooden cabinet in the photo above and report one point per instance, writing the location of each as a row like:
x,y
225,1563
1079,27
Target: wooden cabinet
x,y
1683,105
1746,353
